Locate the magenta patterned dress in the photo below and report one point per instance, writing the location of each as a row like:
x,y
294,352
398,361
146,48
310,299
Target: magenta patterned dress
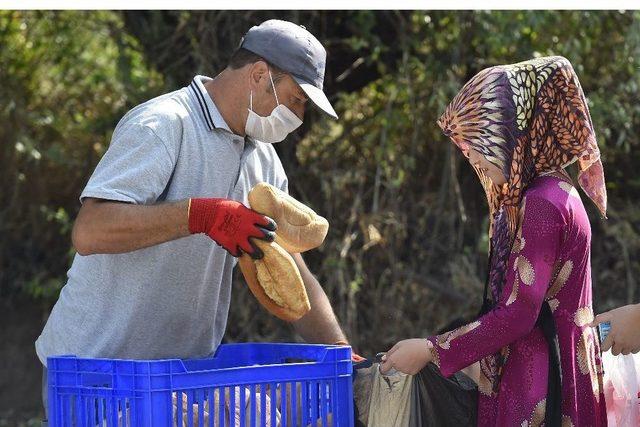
x,y
550,260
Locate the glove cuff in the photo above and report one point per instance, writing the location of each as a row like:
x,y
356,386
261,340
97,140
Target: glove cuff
x,y
202,213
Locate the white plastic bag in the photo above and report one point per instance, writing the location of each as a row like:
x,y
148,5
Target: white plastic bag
x,y
246,402
621,382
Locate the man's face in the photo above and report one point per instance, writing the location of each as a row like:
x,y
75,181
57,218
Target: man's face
x,y
289,92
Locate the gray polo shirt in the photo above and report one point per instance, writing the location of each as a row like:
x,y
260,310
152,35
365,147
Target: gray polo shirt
x,y
172,299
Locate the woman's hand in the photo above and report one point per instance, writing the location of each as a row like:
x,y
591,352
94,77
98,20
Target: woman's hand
x,y
624,337
408,356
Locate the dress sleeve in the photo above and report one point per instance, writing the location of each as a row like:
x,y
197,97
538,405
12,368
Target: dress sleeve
x,y
529,272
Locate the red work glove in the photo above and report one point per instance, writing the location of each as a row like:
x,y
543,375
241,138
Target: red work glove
x,y
231,225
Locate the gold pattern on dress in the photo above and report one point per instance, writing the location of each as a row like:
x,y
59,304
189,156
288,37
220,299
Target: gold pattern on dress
x,y
569,189
536,419
514,291
583,353
518,243
525,270
435,356
444,340
484,384
586,359
561,278
566,421
505,352
537,416
553,304
489,377
600,381
583,316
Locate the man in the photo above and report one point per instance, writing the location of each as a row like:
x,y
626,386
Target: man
x,y
149,280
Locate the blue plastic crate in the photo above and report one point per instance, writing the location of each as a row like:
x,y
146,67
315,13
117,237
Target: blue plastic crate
x,y
241,385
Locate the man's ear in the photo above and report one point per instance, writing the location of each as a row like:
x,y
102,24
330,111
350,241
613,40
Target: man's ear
x,y
258,71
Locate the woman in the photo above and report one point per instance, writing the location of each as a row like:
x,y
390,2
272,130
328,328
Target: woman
x,y
520,125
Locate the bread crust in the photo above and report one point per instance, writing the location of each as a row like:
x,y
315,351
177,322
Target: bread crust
x,y
299,227
286,313
275,280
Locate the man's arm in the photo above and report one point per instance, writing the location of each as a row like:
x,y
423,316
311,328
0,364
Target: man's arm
x,y
320,324
110,227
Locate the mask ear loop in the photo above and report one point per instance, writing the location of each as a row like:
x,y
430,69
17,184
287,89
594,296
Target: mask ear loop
x,y
274,88
251,100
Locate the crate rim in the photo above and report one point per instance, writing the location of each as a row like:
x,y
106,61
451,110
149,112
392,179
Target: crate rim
x,y
72,357
233,344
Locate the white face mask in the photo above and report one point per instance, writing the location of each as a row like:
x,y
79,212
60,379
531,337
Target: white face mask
x,y
276,126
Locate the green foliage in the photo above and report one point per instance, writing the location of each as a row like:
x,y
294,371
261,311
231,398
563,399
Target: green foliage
x,y
67,79
407,245
392,170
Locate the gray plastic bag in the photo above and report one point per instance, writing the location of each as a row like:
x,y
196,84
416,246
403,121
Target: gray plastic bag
x,y
425,399
382,400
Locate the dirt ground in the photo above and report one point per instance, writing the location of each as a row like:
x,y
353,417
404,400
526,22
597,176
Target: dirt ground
x,y
20,369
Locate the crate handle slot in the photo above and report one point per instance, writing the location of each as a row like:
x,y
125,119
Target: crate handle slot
x,y
96,379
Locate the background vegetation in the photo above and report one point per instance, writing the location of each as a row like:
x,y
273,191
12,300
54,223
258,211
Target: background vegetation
x,y
407,246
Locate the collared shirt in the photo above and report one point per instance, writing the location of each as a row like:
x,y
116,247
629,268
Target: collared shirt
x,y
172,299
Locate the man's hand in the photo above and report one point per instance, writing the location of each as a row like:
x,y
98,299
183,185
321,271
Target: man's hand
x,y
624,337
407,356
355,357
231,225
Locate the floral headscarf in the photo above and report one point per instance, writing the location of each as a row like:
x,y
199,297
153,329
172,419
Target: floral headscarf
x,y
527,119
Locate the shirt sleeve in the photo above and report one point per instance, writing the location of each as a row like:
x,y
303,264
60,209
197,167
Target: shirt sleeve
x,y
529,271
135,169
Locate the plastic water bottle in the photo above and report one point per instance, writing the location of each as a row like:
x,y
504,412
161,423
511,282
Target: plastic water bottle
x,y
604,328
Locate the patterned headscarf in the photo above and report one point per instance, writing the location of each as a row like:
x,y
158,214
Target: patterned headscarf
x,y
527,119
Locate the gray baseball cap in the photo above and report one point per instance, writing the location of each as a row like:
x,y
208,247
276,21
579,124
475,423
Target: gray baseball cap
x,y
295,50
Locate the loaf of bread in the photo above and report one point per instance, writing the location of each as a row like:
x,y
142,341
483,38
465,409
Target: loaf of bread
x,y
275,280
299,227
